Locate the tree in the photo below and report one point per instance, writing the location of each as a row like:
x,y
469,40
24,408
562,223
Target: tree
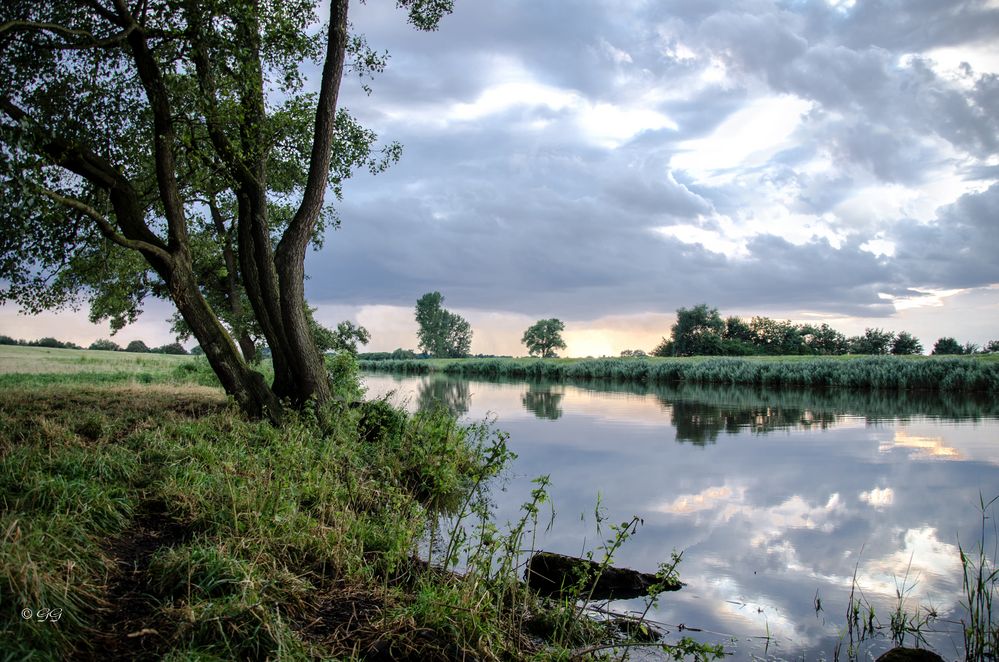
x,y
664,348
105,345
171,348
344,339
544,337
874,341
124,132
137,346
442,334
698,331
824,339
991,347
777,337
947,345
906,343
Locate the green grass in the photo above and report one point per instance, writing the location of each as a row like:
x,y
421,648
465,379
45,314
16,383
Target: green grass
x,y
147,518
964,374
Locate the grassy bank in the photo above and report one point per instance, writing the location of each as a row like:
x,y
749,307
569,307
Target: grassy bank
x,y
151,521
965,374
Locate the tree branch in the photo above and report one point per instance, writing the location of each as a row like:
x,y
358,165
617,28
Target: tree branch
x,y
300,229
95,169
107,229
92,41
163,138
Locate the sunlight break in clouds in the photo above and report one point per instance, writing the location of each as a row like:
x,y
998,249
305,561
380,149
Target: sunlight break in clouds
x,y
748,138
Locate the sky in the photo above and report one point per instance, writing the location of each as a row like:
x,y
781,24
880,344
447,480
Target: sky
x,y
609,161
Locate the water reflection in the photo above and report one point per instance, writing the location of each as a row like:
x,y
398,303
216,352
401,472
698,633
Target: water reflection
x,y
544,401
776,497
452,394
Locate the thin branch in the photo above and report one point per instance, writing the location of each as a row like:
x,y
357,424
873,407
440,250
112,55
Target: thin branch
x,y
107,229
91,40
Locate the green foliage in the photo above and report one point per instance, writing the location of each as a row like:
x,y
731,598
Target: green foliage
x,y
947,345
544,337
874,341
442,334
344,379
906,343
52,343
665,348
698,331
172,348
105,345
137,346
883,372
345,338
824,340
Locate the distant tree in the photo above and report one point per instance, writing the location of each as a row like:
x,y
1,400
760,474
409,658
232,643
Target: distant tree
x,y
969,348
991,347
633,353
777,337
7,340
197,351
874,341
137,346
698,331
737,329
664,348
947,345
824,339
48,341
544,337
906,343
171,348
105,345
442,334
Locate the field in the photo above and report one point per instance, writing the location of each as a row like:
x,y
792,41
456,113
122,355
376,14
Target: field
x,y
964,374
143,517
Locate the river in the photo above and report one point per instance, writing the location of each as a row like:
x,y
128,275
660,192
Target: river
x,y
782,502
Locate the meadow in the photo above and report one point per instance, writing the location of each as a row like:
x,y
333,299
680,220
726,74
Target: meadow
x,y
143,517
965,374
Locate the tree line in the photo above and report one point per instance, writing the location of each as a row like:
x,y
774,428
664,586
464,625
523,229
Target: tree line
x,y
701,331
102,344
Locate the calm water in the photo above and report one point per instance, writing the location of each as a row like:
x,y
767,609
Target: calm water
x,y
776,498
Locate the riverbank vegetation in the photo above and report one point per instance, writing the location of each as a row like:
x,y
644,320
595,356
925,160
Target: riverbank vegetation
x,y
969,374
701,331
144,516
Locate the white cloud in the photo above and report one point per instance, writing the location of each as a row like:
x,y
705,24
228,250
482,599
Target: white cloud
x,y
924,568
878,497
748,138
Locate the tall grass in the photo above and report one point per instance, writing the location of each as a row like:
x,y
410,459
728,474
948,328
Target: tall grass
x,y
981,588
967,374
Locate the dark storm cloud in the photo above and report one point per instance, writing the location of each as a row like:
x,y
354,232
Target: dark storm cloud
x,y
520,207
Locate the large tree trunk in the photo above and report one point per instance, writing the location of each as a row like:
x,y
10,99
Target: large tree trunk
x,y
244,384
